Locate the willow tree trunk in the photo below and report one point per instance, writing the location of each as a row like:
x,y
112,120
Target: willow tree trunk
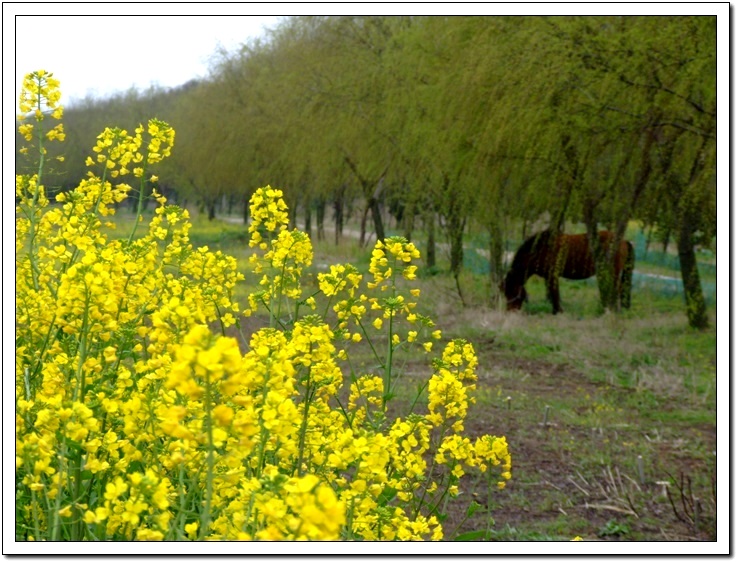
x,y
693,296
687,227
408,221
456,240
373,196
338,213
292,215
455,226
362,228
603,259
373,205
430,251
377,218
320,216
308,219
496,258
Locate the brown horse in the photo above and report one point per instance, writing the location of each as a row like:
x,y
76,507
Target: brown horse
x,y
550,256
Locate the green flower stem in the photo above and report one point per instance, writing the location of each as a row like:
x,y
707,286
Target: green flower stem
x,y
272,317
281,288
54,516
490,487
369,340
181,516
220,319
303,428
139,209
417,395
34,507
205,517
77,529
80,374
388,363
32,254
425,488
345,413
390,347
349,526
27,383
262,431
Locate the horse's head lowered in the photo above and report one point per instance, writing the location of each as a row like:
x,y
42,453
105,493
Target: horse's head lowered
x,y
514,292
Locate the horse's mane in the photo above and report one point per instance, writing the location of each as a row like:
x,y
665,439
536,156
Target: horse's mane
x,y
520,260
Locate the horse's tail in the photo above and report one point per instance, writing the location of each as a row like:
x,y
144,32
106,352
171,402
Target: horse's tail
x,y
626,276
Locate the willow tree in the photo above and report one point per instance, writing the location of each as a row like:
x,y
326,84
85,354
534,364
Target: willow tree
x,y
360,72
436,140
310,108
409,123
257,105
683,73
647,88
497,97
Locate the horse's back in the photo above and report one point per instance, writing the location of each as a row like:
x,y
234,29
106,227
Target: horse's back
x,y
579,264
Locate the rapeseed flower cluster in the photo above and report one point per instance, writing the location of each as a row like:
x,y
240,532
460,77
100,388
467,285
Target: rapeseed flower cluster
x,y
135,420
39,99
285,254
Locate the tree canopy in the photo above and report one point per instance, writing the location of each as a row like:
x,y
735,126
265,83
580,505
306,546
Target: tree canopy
x,y
447,121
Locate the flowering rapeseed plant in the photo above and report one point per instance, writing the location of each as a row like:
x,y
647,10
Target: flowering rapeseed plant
x,y
135,421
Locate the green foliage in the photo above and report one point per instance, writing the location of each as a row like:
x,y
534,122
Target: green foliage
x,y
614,528
503,124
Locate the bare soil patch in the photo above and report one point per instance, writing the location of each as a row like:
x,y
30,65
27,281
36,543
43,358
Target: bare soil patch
x,y
568,477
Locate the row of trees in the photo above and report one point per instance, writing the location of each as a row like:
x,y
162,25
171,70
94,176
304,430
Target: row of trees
x,y
451,121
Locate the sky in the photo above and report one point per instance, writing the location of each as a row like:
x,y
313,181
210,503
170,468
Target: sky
x,y
100,55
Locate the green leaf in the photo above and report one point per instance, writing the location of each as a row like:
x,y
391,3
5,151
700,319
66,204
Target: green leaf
x,y
136,466
386,496
473,508
74,448
471,536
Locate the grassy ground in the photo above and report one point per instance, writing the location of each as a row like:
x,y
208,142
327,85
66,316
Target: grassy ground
x,y
608,416
611,419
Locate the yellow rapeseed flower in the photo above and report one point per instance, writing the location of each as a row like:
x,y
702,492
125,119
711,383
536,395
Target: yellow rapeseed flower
x,y
120,379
